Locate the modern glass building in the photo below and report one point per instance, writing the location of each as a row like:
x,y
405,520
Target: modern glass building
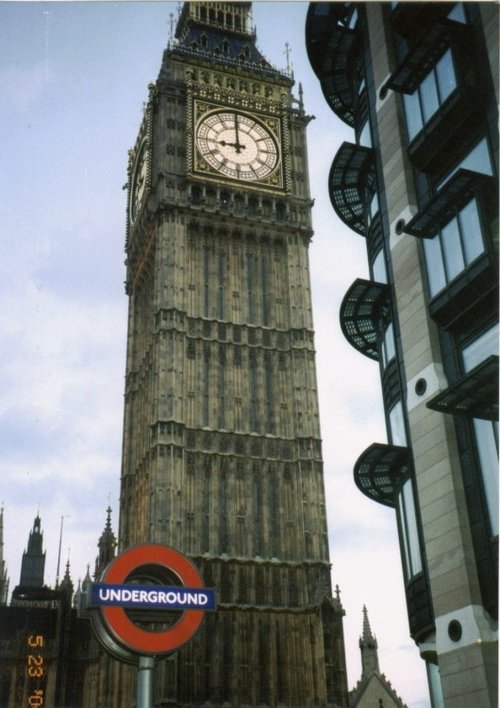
x,y
418,84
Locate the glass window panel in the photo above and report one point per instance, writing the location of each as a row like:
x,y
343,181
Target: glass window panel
x,y
435,265
365,137
411,528
404,539
458,13
429,96
454,260
374,205
445,74
481,348
487,448
389,345
470,228
353,19
414,122
486,431
396,423
379,268
433,91
477,160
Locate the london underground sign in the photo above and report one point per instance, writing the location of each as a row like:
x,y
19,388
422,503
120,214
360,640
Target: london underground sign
x,y
116,593
151,597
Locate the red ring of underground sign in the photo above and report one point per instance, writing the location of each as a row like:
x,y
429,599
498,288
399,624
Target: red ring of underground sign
x,y
123,628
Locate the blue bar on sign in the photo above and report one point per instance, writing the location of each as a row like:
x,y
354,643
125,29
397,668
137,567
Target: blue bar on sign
x,y
154,597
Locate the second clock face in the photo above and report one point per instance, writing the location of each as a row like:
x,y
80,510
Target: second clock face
x,y
139,178
237,145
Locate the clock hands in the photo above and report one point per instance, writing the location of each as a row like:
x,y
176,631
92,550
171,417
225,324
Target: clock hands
x,y
236,128
237,145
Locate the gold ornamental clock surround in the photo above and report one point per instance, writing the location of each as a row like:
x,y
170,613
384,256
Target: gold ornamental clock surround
x,y
237,144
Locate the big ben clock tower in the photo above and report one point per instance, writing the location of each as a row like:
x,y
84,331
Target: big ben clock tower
x,y
222,450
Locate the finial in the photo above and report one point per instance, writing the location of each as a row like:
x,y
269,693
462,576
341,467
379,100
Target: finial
x,y
337,592
59,552
301,97
171,22
287,53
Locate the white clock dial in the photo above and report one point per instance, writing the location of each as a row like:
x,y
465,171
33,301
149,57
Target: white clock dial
x,y
237,145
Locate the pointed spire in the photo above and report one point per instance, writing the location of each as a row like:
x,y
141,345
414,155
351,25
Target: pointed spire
x,y
106,545
59,552
301,97
4,580
369,648
367,632
67,583
87,579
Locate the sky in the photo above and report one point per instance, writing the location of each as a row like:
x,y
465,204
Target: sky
x,y
73,81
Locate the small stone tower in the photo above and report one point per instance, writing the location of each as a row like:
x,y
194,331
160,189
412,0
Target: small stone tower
x,y
369,647
33,563
373,690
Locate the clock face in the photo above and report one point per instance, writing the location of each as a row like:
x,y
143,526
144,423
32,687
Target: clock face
x,y
237,145
139,178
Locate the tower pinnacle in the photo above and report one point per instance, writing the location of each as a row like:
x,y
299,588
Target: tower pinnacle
x,y
33,563
106,545
369,647
4,580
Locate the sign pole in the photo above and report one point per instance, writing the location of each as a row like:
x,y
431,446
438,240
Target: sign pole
x,y
145,675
